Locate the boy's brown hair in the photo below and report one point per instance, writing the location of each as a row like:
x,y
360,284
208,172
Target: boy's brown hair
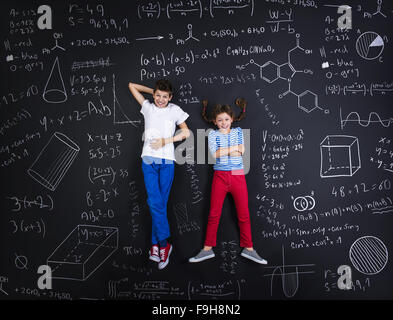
x,y
163,85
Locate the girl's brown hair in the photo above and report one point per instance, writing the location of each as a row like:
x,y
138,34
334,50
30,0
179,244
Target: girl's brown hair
x,y
240,102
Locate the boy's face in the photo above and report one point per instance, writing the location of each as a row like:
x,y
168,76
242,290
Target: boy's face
x,y
161,98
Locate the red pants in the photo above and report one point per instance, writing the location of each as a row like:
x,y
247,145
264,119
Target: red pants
x,y
235,183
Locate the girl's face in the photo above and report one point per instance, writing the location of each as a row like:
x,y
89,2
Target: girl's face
x,y
161,98
223,122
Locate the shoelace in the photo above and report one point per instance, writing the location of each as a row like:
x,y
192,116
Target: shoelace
x,y
162,254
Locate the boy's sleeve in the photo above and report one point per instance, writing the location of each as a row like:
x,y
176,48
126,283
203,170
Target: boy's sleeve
x,y
145,107
181,116
212,142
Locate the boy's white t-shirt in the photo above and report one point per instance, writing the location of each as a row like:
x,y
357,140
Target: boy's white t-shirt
x,y
161,123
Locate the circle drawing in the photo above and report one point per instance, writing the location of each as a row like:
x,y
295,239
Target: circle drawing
x,y
304,203
369,45
368,255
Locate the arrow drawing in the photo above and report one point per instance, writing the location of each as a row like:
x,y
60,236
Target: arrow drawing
x,y
151,38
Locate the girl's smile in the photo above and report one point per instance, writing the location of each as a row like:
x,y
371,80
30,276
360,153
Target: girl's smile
x,y
223,122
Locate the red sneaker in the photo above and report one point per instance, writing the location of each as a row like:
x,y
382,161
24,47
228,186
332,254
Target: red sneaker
x,y
164,255
153,253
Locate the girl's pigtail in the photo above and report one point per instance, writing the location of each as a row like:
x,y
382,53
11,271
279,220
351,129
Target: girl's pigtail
x,y
241,103
204,112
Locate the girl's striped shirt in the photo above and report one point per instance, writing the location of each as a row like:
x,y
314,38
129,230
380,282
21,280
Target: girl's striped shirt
x,y
218,140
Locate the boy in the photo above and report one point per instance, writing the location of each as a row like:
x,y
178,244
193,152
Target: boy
x,y
158,156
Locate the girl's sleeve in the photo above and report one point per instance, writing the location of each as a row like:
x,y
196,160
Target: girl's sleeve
x,y
240,136
212,142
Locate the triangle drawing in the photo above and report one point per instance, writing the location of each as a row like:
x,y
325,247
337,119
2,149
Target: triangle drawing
x,y
119,115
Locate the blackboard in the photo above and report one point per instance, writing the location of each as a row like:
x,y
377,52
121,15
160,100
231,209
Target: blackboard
x,y
318,81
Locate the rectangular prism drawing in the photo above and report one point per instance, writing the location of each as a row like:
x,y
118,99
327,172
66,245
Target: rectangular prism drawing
x,y
340,156
83,251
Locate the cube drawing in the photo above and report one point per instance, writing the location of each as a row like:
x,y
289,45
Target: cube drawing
x,y
340,156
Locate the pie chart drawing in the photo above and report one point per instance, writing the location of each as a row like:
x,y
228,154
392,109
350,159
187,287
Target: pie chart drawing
x,y
369,45
368,255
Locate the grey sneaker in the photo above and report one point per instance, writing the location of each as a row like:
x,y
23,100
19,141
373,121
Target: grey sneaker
x,y
202,255
253,255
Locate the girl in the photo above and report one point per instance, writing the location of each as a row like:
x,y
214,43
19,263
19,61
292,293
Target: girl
x,y
227,147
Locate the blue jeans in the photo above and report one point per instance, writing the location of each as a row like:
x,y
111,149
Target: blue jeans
x,y
158,174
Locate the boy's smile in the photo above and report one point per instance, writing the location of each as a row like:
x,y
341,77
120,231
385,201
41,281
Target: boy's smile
x,y
161,98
